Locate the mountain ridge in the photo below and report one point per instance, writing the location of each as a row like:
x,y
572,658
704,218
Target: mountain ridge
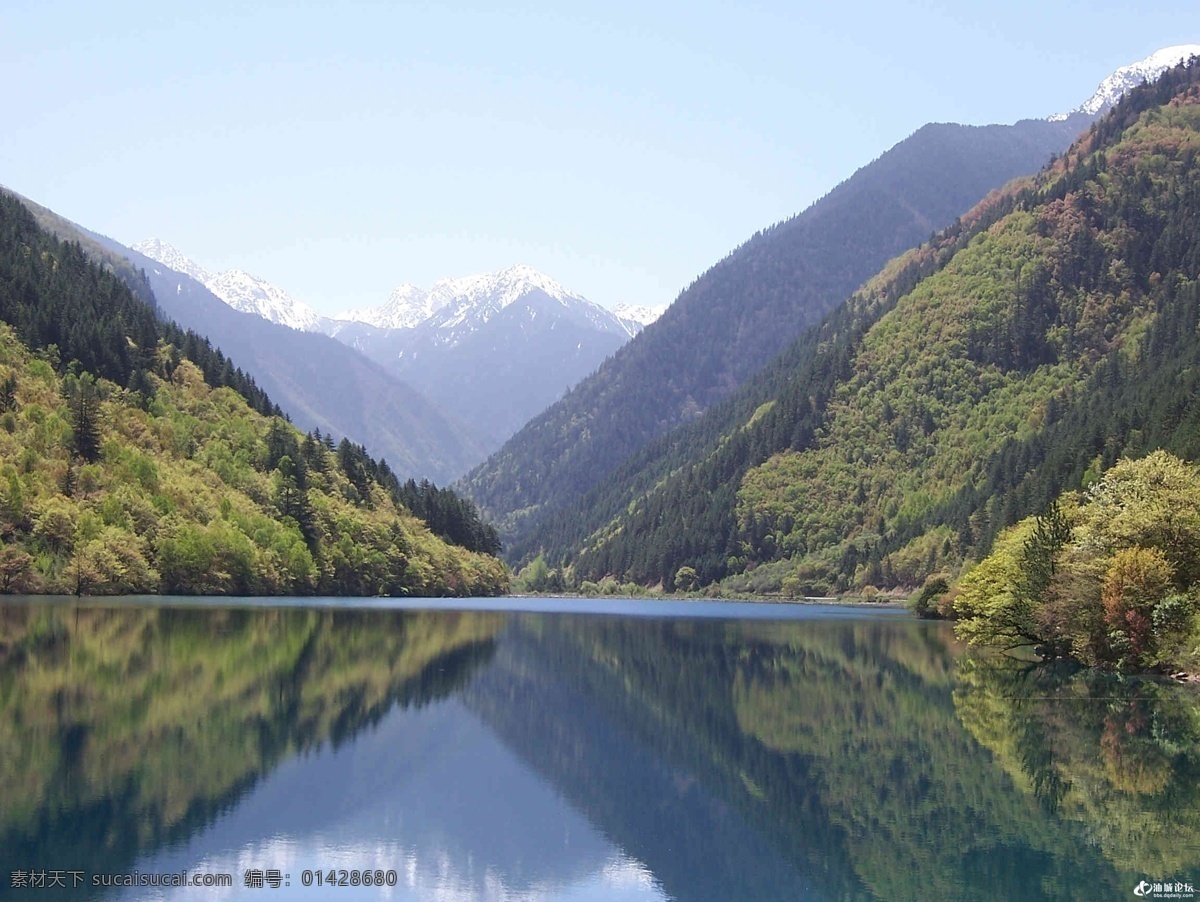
x,y
407,307
1021,351
239,289
516,366
745,309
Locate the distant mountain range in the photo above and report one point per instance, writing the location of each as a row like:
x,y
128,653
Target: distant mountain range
x,y
239,289
475,299
492,350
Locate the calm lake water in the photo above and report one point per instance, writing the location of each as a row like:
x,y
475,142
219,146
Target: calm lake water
x,y
545,749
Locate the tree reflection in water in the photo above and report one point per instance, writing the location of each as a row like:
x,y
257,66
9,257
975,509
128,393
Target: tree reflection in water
x,y
1121,756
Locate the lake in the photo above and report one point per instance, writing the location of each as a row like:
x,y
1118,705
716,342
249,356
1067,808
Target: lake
x,y
572,749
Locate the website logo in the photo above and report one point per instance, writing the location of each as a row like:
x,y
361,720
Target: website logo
x,y
1169,889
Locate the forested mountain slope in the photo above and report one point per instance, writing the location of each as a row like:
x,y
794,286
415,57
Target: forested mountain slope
x,y
319,382
1020,352
737,316
122,470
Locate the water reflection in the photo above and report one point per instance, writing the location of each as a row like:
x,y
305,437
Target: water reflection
x,y
547,756
1119,756
126,729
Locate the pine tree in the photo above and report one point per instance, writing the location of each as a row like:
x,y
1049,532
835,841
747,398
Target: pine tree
x,y
85,412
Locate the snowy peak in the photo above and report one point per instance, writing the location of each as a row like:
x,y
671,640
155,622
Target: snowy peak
x,y
407,306
458,306
498,290
1128,77
250,294
172,258
464,305
638,316
239,289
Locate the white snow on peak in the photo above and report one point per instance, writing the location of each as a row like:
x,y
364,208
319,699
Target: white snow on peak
x,y
172,258
461,305
239,289
642,316
454,307
498,289
407,306
479,298
250,294
1128,77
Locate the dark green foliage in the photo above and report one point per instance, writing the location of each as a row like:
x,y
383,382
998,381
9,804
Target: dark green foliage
x,y
926,603
55,296
85,408
448,514
1051,532
8,393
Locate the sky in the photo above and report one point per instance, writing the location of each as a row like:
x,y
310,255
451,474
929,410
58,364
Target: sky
x,y
340,149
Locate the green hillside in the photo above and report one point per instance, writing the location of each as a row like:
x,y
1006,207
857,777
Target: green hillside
x,y
1018,353
124,470
732,320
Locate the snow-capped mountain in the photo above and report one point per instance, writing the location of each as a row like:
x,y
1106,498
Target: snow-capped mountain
x,y
250,294
407,306
459,306
1129,77
239,289
494,348
462,306
171,258
638,317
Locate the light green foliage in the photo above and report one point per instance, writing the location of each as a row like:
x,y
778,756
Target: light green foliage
x,y
989,606
538,576
685,579
1114,582
1152,503
113,563
177,498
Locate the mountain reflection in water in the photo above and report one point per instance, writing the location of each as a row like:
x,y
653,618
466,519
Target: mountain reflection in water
x,y
500,755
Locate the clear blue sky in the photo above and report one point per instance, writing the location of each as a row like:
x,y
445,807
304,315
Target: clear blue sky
x,y
338,149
